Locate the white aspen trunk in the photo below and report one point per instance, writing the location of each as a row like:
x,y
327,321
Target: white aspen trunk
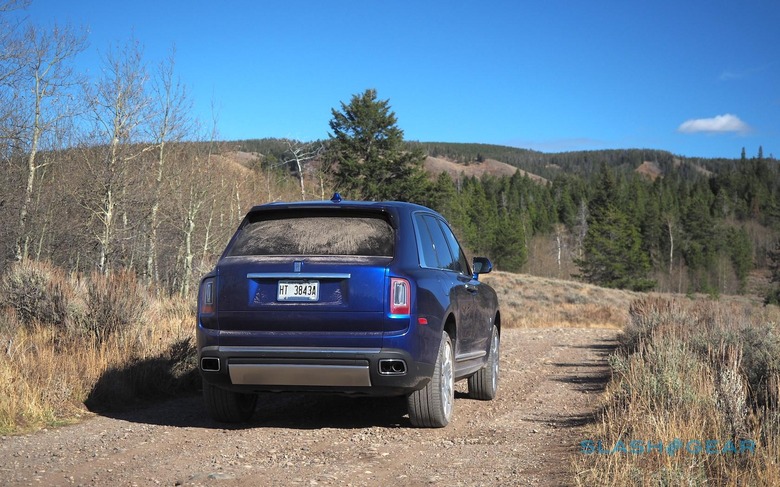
x,y
20,252
268,184
22,242
40,240
105,239
152,273
671,246
47,218
207,234
239,214
109,203
190,227
300,177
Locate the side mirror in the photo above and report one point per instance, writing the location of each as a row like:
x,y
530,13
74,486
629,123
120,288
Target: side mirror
x,y
481,265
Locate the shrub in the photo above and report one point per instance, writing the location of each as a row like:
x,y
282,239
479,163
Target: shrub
x,y
698,370
39,293
761,361
115,303
100,339
646,316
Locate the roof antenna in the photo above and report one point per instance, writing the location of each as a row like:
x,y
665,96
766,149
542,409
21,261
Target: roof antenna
x,y
336,198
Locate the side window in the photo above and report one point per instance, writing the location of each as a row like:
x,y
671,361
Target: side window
x,y
427,251
446,261
463,263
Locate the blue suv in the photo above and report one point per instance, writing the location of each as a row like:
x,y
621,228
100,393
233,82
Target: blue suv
x,y
348,297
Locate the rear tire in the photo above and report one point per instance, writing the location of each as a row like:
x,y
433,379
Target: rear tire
x,y
484,384
431,406
228,406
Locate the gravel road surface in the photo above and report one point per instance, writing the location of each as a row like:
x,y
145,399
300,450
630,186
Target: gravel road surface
x,y
550,383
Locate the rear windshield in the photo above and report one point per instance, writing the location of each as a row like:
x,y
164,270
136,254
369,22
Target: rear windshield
x,y
316,235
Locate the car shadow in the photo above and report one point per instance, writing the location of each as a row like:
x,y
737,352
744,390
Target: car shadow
x,y
278,410
163,390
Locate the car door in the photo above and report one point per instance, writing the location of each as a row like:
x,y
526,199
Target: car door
x,y
473,328
457,282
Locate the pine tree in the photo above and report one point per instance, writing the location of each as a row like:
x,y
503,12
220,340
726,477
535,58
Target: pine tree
x,y
613,253
741,253
613,246
368,157
773,297
701,238
509,252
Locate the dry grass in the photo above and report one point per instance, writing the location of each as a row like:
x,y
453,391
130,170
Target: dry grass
x,y
691,372
533,302
48,372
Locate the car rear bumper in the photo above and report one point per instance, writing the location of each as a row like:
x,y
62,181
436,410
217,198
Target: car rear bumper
x,y
362,371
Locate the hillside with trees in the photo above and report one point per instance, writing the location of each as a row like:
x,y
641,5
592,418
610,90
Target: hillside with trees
x,y
114,172
697,226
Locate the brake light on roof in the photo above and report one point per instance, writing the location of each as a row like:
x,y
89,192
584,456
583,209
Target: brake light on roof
x,y
400,297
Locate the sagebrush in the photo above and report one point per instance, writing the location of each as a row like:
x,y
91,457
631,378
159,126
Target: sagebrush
x,y
690,372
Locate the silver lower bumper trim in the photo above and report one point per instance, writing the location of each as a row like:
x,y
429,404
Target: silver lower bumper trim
x,y
300,375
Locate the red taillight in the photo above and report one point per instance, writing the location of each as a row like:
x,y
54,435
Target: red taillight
x,y
207,296
400,297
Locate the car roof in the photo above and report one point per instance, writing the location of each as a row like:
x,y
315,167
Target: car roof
x,y
342,204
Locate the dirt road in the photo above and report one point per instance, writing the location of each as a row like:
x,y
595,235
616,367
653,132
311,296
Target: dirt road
x,y
550,382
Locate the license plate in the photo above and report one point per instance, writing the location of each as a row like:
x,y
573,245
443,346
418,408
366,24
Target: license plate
x,y
298,291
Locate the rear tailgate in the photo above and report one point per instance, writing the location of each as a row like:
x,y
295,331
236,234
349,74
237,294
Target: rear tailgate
x,y
348,309
305,281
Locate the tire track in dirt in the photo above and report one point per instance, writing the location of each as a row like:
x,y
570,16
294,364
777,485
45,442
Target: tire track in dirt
x,y
550,383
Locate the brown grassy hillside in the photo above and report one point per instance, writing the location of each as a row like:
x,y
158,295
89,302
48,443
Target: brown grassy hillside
x,y
437,165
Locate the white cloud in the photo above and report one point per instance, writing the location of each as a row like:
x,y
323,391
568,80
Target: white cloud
x,y
716,124
731,75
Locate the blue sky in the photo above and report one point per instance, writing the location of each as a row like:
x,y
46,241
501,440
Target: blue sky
x,y
697,78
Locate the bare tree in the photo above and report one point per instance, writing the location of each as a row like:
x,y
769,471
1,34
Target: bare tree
x,y
560,233
169,123
300,154
193,200
670,224
581,227
46,97
13,53
210,152
12,47
194,192
119,108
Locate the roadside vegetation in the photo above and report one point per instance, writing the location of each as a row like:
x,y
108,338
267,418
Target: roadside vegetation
x,y
75,343
100,340
700,379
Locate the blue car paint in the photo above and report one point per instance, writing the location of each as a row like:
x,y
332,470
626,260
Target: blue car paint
x,y
247,318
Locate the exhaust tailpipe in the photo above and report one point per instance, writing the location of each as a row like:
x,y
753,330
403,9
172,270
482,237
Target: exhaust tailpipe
x,y
209,364
392,367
